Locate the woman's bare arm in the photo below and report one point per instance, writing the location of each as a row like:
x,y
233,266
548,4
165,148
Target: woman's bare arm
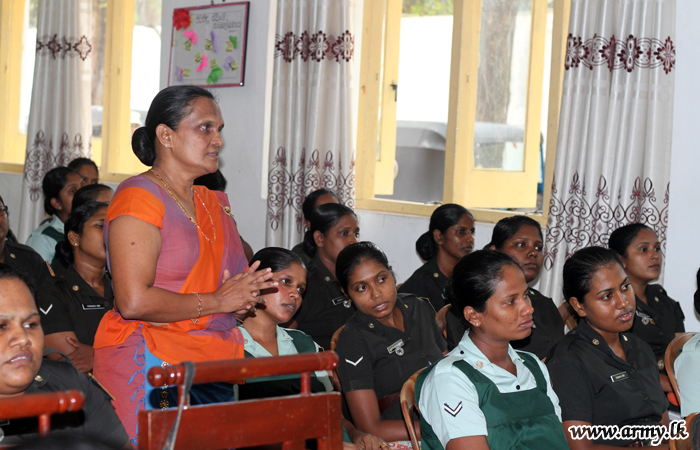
x,y
134,247
468,443
364,409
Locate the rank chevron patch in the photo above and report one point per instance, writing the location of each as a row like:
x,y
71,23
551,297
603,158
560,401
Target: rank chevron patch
x,y
453,411
356,362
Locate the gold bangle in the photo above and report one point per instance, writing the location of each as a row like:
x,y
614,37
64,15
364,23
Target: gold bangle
x,y
199,308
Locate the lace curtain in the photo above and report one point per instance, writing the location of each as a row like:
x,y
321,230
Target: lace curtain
x,y
60,126
614,145
310,141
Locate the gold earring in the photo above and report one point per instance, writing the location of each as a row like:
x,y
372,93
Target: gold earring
x,y
75,244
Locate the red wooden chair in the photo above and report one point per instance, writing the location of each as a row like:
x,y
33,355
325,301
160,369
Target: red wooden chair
x,y
289,420
41,405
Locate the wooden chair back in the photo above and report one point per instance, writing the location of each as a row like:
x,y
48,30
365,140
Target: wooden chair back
x,y
568,315
441,320
683,444
41,405
289,420
334,339
408,402
672,352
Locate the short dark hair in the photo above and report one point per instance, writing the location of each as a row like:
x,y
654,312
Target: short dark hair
x,y
215,181
323,219
77,163
88,193
276,259
310,201
580,268
621,238
508,227
54,180
474,281
352,255
9,272
169,107
75,223
443,217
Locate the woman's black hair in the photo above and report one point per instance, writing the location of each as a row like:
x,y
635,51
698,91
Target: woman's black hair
x,y
75,223
215,181
352,255
621,238
169,107
582,266
276,259
444,217
53,182
77,163
88,193
323,219
310,201
9,272
474,281
508,227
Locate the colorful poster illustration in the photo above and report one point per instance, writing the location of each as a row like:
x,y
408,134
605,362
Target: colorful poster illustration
x,y
208,45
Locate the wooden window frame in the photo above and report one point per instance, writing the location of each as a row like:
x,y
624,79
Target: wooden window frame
x,y
115,142
376,133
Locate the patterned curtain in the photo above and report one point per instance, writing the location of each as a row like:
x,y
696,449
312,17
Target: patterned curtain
x,y
60,126
614,147
311,139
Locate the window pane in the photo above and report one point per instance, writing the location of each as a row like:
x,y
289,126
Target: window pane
x,y
422,99
504,52
28,55
99,29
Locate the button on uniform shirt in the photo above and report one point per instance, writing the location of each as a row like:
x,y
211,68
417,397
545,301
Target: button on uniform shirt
x,y
73,305
596,386
97,420
324,308
548,328
657,321
374,356
449,400
428,283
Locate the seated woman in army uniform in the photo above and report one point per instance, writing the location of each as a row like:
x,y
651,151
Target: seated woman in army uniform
x,y
21,257
264,337
483,394
450,236
332,227
657,317
71,310
388,339
602,373
23,371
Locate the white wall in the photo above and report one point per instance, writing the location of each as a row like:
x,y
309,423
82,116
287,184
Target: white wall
x,y
245,112
683,245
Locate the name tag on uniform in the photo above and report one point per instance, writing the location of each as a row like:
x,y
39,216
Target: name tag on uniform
x,y
91,307
342,299
396,347
619,377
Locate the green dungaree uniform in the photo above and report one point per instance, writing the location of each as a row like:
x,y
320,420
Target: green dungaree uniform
x,y
515,420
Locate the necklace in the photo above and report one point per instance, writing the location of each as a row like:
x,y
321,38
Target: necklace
x,y
182,207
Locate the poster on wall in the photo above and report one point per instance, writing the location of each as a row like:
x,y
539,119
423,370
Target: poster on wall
x,y
209,45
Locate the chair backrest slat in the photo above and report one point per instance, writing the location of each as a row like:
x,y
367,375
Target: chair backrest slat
x,y
42,406
289,420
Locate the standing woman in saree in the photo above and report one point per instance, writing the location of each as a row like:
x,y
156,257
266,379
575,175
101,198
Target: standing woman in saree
x,y
172,248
